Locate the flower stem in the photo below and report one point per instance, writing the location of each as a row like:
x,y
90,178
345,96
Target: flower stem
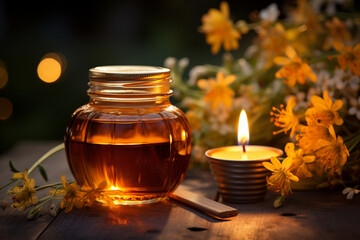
x,y
352,143
45,198
321,57
45,156
12,180
47,186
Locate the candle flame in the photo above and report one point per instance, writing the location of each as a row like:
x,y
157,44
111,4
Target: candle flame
x,y
243,129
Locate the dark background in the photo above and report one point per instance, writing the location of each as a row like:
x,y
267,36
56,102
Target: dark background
x,y
91,34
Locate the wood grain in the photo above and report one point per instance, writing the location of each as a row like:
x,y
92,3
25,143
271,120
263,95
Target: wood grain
x,y
307,215
13,223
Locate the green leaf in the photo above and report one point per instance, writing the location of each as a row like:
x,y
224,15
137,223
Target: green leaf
x,y
43,173
12,168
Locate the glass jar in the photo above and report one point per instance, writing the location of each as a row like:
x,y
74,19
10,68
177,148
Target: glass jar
x,y
129,135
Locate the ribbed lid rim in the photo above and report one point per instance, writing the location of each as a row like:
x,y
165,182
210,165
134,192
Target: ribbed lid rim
x,y
127,71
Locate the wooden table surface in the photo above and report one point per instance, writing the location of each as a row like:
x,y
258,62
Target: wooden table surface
x,y
307,215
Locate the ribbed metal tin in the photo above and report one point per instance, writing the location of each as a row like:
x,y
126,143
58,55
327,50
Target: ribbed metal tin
x,y
242,181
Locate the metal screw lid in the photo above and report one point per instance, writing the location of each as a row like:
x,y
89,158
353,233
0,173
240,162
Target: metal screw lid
x,y
128,72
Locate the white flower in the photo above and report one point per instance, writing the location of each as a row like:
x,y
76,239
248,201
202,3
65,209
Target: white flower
x,y
262,60
195,73
245,66
225,129
313,91
250,51
170,62
270,14
242,103
354,82
338,79
350,192
218,118
300,97
330,5
221,128
183,63
220,114
227,57
355,107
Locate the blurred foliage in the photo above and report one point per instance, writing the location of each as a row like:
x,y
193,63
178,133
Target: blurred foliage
x,y
87,35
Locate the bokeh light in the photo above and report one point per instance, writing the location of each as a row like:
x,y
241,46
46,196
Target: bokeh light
x,y
6,108
50,67
3,77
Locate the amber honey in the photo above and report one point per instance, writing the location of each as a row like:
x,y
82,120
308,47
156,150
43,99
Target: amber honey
x,y
136,171
129,135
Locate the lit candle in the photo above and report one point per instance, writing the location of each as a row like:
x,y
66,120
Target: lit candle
x,y
238,170
244,152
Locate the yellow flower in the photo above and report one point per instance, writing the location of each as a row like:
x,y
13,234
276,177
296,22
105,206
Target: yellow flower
x,y
218,91
298,166
219,29
349,58
72,195
285,118
281,175
304,14
309,26
24,196
338,32
273,39
309,136
324,111
294,69
93,195
333,154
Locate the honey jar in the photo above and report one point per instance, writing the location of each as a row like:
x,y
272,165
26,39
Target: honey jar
x,y
129,135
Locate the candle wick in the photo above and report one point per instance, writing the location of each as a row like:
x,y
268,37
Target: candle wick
x,y
243,145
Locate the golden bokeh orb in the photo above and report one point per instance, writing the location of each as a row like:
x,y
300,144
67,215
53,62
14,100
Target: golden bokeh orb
x,y
3,77
6,108
49,70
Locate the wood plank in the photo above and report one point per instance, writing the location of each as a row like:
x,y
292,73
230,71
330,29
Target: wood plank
x,y
307,215
328,217
13,223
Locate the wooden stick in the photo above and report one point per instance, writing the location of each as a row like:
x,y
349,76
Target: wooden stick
x,y
208,206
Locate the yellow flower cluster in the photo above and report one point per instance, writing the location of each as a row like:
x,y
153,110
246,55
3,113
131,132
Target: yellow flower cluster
x,y
70,193
281,175
349,57
72,196
86,196
285,118
294,69
317,141
219,29
25,196
218,91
